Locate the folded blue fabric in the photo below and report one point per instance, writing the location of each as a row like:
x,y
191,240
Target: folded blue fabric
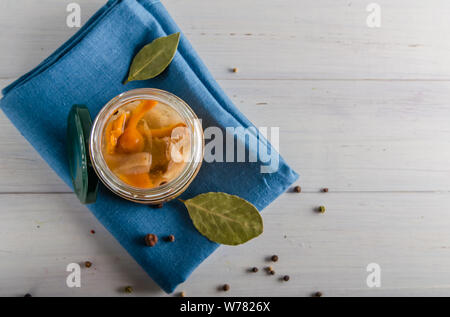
x,y
89,69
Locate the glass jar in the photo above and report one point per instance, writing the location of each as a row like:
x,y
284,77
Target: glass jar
x,y
169,190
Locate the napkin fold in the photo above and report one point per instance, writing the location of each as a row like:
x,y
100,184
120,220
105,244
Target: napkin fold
x,y
89,69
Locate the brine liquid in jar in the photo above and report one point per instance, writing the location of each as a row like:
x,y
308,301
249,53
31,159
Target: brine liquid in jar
x,y
146,143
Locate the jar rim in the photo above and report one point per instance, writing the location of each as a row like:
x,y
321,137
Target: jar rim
x,y
174,187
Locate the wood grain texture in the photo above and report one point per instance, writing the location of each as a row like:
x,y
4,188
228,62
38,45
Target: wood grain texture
x,y
349,136
287,39
361,111
407,234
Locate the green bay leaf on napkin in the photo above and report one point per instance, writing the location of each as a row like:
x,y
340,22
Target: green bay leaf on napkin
x,y
153,58
224,218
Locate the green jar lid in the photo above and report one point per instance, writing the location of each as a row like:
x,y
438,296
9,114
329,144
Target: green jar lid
x,y
84,179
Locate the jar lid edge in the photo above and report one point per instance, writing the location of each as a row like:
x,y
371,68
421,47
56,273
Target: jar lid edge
x,y
84,180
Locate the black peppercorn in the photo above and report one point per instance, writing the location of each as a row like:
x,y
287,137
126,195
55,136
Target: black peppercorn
x,y
286,278
87,264
255,269
226,287
297,189
151,240
274,258
171,238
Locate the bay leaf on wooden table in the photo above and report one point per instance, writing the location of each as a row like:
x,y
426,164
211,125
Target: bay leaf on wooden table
x,y
224,218
153,58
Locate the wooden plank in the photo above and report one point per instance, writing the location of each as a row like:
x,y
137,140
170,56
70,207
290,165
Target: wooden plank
x,y
288,39
362,111
406,234
345,135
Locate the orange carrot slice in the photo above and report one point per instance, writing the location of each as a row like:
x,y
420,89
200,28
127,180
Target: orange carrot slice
x,y
113,131
138,180
166,131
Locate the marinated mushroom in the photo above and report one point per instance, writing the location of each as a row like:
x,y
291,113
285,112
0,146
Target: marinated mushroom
x,y
146,144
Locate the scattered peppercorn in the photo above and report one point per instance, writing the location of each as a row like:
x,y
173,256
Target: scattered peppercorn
x,y
235,70
128,289
171,238
297,189
272,272
182,294
286,278
255,269
321,209
158,206
226,287
151,240
93,231
87,264
27,295
325,190
317,294
274,258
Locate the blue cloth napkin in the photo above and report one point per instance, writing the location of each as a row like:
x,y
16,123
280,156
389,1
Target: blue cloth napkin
x,y
89,69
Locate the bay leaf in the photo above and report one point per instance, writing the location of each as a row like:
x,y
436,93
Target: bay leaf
x,y
153,58
224,218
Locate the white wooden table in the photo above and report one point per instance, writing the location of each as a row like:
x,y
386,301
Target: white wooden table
x,y
363,111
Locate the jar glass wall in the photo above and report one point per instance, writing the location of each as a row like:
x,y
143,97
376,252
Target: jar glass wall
x,y
166,190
